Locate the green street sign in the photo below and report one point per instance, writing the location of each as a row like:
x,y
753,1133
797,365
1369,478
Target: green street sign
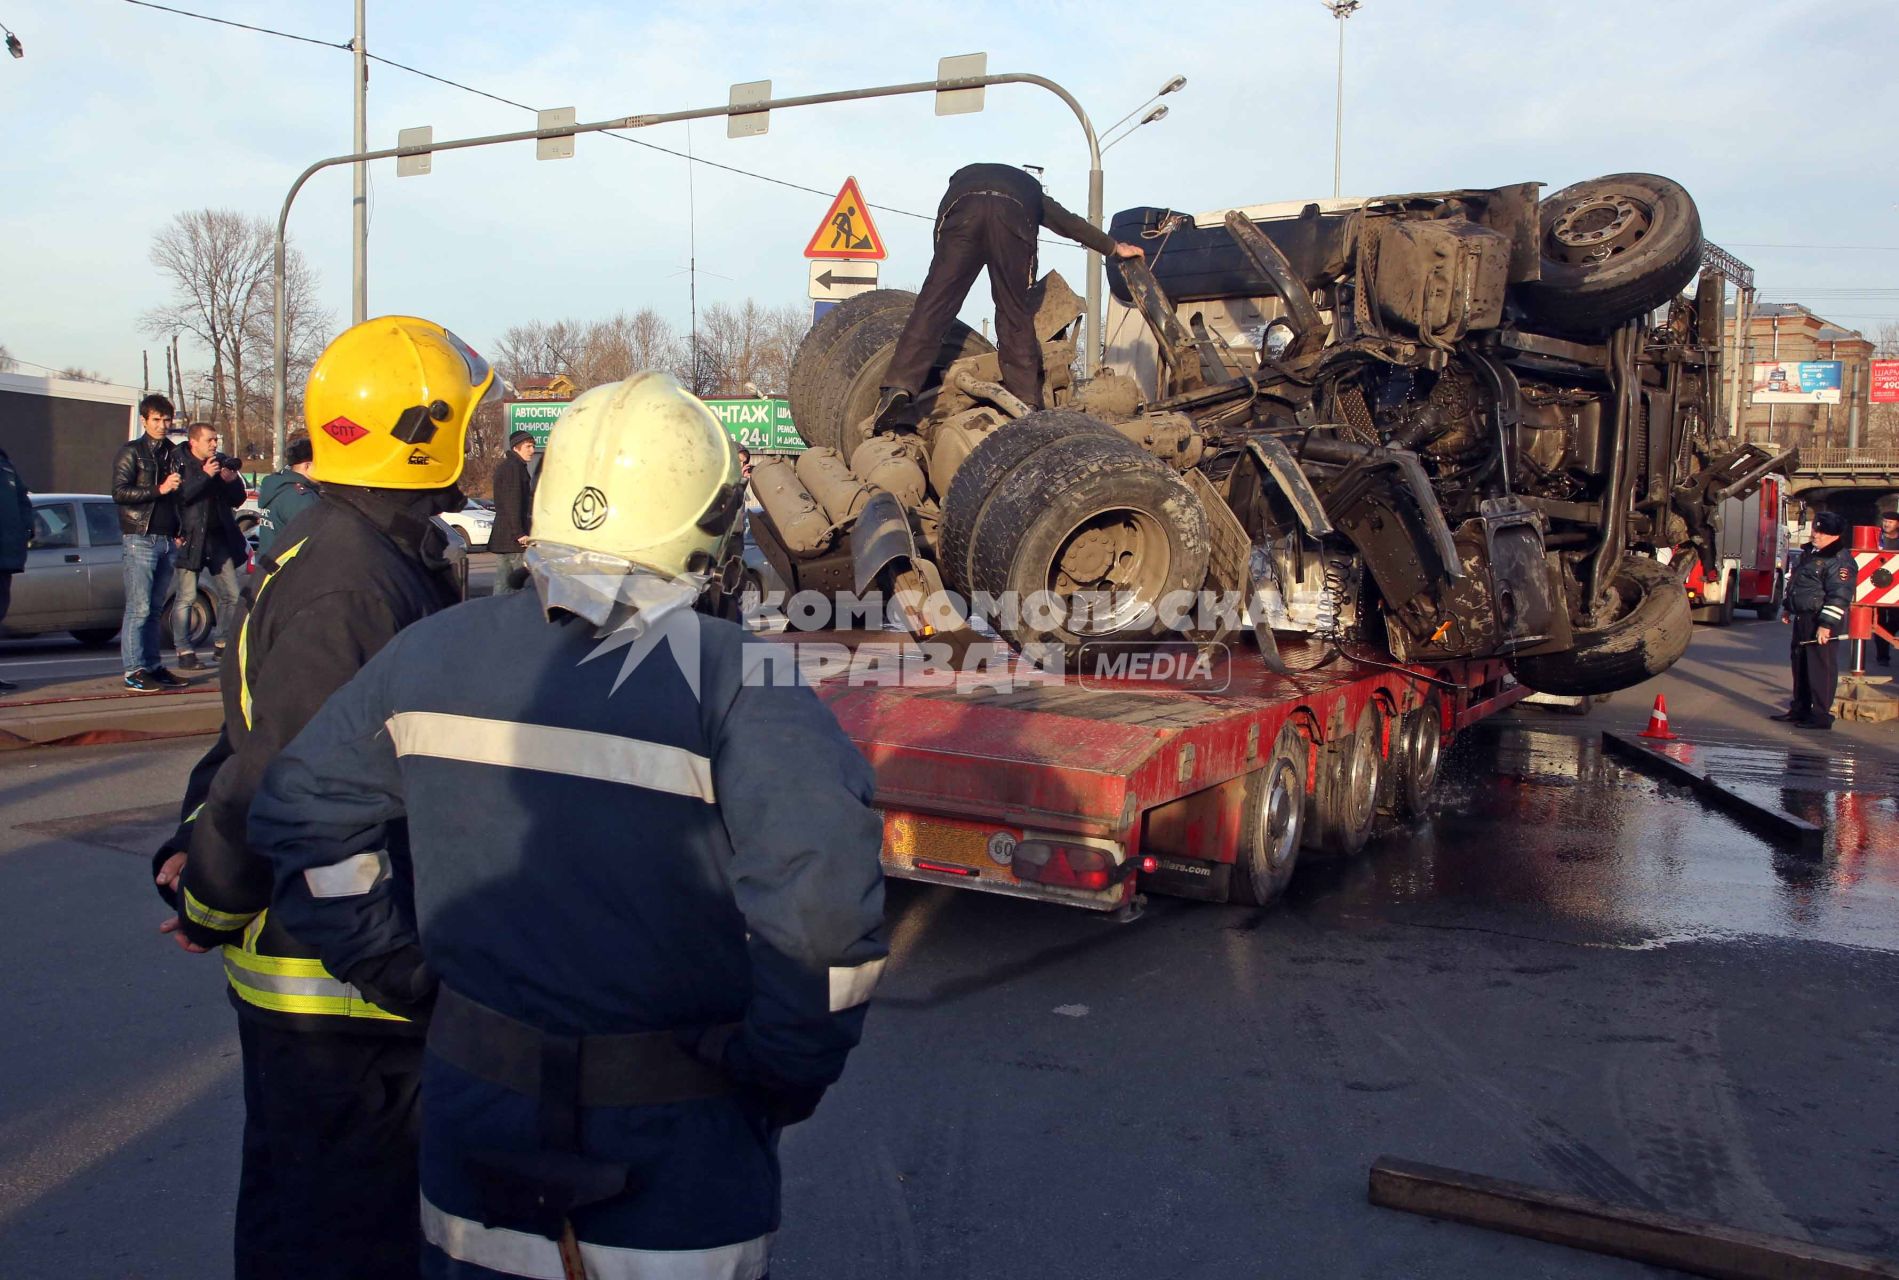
x,y
763,426
536,417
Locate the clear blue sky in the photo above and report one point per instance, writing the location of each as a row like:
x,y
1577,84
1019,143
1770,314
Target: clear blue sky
x,y
1773,114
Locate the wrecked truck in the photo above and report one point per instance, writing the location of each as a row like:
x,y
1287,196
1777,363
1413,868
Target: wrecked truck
x,y
1427,427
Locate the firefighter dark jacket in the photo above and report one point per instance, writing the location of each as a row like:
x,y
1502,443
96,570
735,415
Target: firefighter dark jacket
x,y
358,570
1822,583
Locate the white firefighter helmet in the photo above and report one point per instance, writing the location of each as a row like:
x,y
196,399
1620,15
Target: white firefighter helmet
x,y
640,470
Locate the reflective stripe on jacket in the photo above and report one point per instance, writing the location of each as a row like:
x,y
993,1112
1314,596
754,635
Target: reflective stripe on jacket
x,y
328,602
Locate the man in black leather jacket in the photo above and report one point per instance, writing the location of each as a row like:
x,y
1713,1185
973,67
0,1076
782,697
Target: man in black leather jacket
x,y
145,475
210,548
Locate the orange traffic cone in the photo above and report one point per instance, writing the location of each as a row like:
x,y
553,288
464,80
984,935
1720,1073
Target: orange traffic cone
x,y
1658,722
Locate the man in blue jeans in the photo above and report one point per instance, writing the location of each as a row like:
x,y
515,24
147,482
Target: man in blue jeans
x,y
145,475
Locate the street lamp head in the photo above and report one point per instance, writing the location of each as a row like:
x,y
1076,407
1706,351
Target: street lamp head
x,y
1157,113
1172,86
14,46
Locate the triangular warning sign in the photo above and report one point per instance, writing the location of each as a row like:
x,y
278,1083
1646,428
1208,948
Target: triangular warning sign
x,y
847,231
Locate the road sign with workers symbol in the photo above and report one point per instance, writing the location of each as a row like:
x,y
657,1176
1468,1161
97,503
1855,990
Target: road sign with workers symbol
x,y
847,230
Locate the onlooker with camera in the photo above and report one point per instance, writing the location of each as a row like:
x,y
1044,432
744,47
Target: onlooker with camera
x,y
210,545
16,531
514,512
284,493
145,479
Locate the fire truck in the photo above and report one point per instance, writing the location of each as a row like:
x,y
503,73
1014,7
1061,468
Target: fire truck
x,y
1746,566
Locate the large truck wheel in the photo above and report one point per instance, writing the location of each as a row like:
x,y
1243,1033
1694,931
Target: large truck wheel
x,y
994,457
1647,632
1273,825
1351,780
823,337
1613,248
1090,535
1420,751
835,381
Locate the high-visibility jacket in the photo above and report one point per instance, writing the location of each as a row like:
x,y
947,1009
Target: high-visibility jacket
x,y
607,838
356,572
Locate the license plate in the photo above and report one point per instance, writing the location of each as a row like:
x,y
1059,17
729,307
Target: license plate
x,y
983,848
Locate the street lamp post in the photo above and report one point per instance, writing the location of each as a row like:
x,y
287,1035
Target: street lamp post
x,y
359,192
1341,9
948,85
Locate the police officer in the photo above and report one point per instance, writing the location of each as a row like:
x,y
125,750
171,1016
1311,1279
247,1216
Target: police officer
x,y
328,1186
1819,592
646,879
987,218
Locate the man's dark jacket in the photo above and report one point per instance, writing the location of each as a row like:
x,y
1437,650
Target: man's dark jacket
x,y
514,505
16,517
205,524
357,568
1015,184
136,472
1821,584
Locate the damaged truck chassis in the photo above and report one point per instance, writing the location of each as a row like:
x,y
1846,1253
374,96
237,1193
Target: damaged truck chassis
x,y
1441,426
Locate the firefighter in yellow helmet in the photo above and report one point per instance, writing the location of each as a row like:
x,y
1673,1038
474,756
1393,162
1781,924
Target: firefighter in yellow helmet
x,y
645,873
328,1187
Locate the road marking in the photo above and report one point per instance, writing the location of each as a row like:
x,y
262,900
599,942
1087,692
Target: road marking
x,y
1072,1010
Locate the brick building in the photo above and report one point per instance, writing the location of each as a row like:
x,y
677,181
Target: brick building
x,y
1788,331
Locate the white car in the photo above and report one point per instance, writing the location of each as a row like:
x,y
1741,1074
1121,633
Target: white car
x,y
472,524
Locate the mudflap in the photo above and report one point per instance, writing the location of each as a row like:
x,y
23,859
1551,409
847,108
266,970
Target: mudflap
x,y
884,550
881,537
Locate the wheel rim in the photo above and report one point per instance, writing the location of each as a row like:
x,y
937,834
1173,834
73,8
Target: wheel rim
x,y
1426,750
1361,776
1284,816
1120,555
1597,228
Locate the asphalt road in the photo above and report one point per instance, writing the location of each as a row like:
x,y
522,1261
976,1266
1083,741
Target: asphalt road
x,y
1572,976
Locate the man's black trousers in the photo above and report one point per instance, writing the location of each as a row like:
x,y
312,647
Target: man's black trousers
x,y
330,1188
1816,671
978,231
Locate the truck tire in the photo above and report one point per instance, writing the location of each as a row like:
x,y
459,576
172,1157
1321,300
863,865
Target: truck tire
x,y
994,457
840,380
1420,750
1351,782
1273,825
1613,248
824,337
1648,634
1093,513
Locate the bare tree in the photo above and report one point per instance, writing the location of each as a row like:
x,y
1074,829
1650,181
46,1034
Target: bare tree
x,y
7,363
589,352
750,347
73,373
219,264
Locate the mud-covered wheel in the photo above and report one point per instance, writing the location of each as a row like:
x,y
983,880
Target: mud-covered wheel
x,y
1351,780
1089,536
1646,629
1273,825
1420,751
836,377
1612,249
994,457
825,335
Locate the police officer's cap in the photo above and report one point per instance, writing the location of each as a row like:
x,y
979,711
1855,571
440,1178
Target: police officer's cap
x,y
1830,522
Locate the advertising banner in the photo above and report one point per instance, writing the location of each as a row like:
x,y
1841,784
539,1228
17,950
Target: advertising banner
x,y
1796,382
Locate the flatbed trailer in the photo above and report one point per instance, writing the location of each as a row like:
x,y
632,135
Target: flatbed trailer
x,y
1093,793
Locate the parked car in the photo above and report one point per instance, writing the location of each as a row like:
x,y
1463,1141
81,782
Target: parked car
x,y
73,580
472,525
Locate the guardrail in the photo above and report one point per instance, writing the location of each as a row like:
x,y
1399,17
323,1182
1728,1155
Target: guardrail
x,y
1848,461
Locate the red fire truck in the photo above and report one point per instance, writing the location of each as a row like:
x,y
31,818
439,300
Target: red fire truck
x,y
1749,557
1091,793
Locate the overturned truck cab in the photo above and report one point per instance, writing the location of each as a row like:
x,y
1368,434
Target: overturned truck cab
x,y
1436,426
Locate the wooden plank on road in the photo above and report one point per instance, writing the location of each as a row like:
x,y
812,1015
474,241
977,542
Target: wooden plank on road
x,y
1687,1244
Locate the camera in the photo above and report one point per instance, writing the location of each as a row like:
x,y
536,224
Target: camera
x,y
227,463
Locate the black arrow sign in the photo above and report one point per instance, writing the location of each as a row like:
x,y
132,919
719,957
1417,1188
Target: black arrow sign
x,y
828,280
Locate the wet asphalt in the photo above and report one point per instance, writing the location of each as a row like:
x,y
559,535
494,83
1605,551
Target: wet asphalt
x,y
1573,975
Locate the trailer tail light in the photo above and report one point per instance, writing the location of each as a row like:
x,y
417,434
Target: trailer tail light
x,y
1064,866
